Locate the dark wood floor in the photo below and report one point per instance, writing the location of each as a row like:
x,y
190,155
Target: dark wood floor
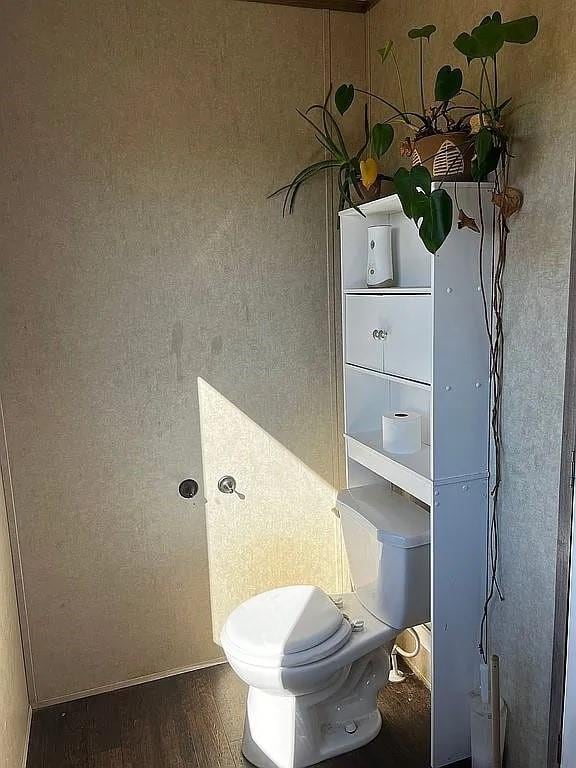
x,y
195,721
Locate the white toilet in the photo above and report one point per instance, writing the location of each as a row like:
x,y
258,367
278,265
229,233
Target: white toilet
x,y
314,665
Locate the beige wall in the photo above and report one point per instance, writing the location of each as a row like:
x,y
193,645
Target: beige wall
x,y
139,253
14,705
541,78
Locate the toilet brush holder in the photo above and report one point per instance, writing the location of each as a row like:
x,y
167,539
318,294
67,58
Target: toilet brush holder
x,y
481,731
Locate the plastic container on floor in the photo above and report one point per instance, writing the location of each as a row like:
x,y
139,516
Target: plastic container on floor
x,y
481,730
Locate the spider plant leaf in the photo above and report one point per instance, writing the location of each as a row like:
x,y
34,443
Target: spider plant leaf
x,y
382,138
331,127
386,50
521,31
419,32
301,177
448,83
326,139
344,186
315,167
344,97
504,104
356,158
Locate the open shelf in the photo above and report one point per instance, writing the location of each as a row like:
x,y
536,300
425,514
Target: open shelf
x,y
387,376
391,290
408,471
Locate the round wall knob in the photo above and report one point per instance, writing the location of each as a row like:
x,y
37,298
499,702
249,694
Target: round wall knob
x,y
188,488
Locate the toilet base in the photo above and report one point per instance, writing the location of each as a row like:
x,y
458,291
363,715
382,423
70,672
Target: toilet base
x,y
284,731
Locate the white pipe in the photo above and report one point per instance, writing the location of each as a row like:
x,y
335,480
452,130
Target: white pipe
x,y
409,654
396,675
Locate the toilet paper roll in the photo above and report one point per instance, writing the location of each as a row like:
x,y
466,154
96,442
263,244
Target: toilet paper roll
x,y
401,432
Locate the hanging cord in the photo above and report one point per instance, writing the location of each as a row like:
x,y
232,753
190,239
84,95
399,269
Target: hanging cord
x,y
493,317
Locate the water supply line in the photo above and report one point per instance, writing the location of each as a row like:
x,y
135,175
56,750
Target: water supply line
x,y
396,675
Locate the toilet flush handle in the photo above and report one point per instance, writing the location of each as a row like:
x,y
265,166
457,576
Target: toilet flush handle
x,y
227,484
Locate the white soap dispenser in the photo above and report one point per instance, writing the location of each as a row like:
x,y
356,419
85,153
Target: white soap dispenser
x,y
379,271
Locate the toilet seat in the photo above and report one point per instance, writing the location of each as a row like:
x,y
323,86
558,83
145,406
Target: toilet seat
x,y
286,627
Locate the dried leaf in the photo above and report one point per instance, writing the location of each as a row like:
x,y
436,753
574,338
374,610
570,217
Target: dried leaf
x,y
465,221
406,147
509,201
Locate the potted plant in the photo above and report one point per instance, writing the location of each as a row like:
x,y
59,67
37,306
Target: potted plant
x,y
358,176
439,136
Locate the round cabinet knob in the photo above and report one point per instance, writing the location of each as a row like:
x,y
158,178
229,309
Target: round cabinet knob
x,y
188,489
351,727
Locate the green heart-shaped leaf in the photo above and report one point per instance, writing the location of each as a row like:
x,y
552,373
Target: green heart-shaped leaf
x,y
431,211
438,224
403,186
521,31
386,50
419,32
382,138
448,83
487,155
344,97
420,177
489,37
467,45
483,144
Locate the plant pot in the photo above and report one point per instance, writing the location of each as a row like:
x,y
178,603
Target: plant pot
x,y
381,188
446,155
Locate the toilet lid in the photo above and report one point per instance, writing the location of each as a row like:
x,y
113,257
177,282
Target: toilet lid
x,y
284,626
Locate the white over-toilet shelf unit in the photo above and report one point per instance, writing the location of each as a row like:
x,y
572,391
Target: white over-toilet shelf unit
x,y
433,358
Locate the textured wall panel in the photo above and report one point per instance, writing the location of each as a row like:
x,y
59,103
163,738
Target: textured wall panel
x,y
139,252
541,78
13,693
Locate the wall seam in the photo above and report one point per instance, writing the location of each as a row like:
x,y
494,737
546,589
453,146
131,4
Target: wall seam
x,y
330,276
14,541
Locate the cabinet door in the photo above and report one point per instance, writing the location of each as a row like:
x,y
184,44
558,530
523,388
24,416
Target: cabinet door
x,y
407,323
363,347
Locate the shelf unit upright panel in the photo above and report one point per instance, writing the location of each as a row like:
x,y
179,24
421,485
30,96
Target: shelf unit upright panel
x,y
451,472
459,457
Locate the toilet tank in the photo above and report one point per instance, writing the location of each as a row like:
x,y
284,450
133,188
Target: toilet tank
x,y
387,539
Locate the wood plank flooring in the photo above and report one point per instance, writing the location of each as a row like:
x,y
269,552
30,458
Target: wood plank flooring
x,y
196,721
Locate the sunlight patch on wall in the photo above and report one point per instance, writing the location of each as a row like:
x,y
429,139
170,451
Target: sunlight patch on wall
x,y
283,531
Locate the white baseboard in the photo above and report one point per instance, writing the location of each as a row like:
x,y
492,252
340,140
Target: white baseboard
x,y
27,741
125,684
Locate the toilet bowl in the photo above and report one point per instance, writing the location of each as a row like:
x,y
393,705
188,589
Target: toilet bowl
x,y
314,665
306,704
